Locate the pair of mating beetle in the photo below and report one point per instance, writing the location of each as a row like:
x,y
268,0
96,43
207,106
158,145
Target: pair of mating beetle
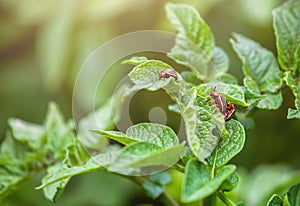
x,y
226,108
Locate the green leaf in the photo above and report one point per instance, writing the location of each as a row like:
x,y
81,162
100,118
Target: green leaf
x,y
251,85
160,135
233,93
285,201
228,148
293,114
217,69
12,173
259,63
252,93
152,190
190,78
59,134
204,125
271,101
164,157
220,61
198,183
146,76
144,158
155,187
287,30
98,162
275,200
76,154
117,136
219,64
135,152
135,60
52,192
187,155
291,82
228,79
27,133
25,141
253,98
147,73
161,178
54,117
195,43
230,183
190,55
293,195
12,148
190,25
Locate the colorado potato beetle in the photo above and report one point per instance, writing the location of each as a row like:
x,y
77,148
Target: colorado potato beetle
x,y
226,108
167,73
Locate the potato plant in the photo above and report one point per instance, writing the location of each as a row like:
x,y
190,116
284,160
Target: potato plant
x,y
152,155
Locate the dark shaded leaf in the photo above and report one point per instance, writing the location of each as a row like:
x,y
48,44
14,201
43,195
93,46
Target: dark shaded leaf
x,y
293,195
230,183
12,173
228,148
198,183
287,29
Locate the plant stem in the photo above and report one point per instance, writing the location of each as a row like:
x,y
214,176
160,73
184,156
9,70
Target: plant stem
x,y
178,167
170,199
139,181
213,199
250,112
225,199
212,174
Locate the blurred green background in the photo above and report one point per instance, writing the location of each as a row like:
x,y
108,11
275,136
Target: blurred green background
x,y
43,44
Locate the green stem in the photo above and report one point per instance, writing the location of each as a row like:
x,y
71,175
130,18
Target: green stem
x,y
170,199
137,180
213,199
178,167
225,199
250,112
212,174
